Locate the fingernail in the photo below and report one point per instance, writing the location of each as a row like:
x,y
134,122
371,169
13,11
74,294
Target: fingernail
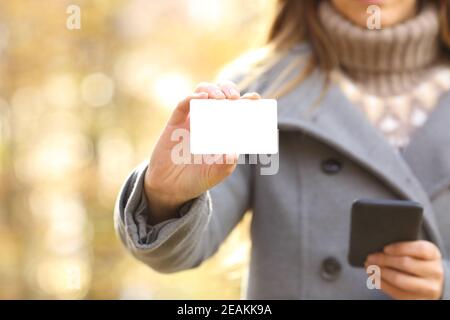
x,y
234,92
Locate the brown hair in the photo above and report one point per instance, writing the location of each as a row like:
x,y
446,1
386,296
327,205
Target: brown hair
x,y
297,21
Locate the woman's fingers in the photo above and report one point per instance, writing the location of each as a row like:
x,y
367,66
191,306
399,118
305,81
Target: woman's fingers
x,y
230,90
251,96
397,293
412,266
408,283
417,267
420,249
214,91
203,90
225,90
181,112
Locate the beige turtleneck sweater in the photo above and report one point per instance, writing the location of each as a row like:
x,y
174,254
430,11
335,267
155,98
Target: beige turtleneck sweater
x,y
394,75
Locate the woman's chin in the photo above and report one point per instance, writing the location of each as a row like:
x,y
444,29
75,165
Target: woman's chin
x,y
357,12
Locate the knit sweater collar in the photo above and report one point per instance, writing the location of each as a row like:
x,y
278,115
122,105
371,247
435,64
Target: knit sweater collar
x,y
387,61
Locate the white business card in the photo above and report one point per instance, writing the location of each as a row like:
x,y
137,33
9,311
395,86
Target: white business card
x,y
233,126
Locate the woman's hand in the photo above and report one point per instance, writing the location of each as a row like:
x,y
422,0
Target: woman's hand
x,y
169,185
410,270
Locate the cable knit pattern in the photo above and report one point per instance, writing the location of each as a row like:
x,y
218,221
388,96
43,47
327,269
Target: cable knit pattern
x,y
395,75
387,61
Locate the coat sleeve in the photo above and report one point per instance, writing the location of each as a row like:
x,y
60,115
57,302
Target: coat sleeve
x,y
446,289
186,241
204,223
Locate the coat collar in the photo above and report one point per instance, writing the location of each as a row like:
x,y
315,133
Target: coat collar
x,y
428,154
337,123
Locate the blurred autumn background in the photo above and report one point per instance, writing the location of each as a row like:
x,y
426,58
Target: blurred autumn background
x,y
81,108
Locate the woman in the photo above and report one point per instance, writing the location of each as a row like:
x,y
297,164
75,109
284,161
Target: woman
x,y
362,114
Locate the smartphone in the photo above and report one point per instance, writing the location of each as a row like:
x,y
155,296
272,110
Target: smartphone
x,y
376,223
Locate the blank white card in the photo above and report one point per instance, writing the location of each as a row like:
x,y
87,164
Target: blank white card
x,y
233,126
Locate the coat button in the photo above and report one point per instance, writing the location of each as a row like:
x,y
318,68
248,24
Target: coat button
x,y
331,269
331,166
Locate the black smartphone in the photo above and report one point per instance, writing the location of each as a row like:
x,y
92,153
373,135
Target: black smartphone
x,y
376,223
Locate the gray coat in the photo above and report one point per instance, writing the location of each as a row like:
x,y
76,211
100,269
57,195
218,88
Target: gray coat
x,y
329,156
